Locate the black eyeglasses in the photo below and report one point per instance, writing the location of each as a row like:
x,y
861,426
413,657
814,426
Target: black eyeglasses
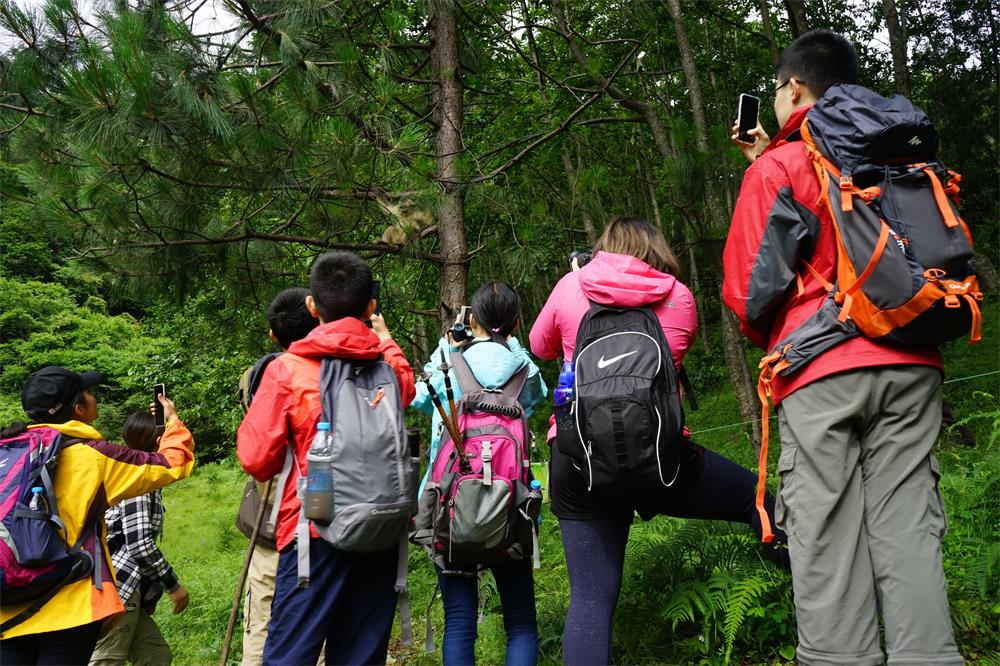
x,y
774,93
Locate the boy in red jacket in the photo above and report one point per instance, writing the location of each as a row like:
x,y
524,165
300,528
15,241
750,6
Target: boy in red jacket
x,y
859,498
351,598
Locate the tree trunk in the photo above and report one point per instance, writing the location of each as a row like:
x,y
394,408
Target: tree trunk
x,y
897,44
797,17
765,18
739,374
448,146
573,179
719,216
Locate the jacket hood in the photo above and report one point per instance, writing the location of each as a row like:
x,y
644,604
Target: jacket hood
x,y
343,338
492,363
620,279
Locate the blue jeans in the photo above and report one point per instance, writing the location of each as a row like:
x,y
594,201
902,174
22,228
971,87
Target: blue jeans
x,y
460,597
349,603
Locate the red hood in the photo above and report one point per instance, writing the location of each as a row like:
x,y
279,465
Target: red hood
x,y
623,280
790,131
343,338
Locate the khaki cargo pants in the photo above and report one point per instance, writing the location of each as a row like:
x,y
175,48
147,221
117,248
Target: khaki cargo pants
x,y
859,501
135,639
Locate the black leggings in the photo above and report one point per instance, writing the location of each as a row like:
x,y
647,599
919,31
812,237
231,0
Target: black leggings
x,y
715,488
72,647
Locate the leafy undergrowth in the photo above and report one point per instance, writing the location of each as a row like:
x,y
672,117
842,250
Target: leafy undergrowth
x,y
694,592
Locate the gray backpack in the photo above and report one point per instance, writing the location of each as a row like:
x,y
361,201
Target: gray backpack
x,y
374,476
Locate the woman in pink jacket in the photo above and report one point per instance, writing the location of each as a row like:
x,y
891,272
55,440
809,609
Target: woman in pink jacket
x,y
632,267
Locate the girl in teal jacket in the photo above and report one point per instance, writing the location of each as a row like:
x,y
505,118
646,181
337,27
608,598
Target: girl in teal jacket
x,y
494,355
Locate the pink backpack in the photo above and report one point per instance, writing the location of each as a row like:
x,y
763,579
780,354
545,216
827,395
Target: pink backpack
x,y
479,505
35,560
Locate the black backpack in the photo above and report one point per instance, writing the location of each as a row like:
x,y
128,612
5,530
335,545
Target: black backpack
x,y
623,430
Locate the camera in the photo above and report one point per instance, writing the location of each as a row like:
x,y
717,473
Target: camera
x,y
581,256
462,331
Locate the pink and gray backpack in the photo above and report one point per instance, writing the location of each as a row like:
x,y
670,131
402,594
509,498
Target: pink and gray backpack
x,y
35,560
479,505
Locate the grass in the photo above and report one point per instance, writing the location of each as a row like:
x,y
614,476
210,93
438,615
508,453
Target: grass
x,y
207,551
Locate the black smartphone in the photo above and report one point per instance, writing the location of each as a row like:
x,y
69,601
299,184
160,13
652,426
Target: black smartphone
x,y
746,117
376,293
158,417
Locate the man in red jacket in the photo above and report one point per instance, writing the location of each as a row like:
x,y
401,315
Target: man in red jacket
x,y
351,597
859,498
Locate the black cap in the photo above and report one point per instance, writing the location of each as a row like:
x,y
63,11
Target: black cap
x,y
49,390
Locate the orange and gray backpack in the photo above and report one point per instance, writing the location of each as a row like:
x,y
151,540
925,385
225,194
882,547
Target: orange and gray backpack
x,y
904,255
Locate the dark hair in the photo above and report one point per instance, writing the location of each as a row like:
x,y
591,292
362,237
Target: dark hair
x,y
140,431
641,239
497,307
341,285
288,316
820,58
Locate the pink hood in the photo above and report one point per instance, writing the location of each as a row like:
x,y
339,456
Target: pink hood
x,y
613,279
620,279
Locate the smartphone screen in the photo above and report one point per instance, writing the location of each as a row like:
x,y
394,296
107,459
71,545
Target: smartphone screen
x,y
158,418
464,314
746,117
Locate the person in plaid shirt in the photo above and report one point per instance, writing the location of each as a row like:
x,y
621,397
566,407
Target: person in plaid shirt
x,y
142,572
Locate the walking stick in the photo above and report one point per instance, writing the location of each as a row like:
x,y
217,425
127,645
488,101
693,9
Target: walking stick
x,y
456,436
246,569
447,385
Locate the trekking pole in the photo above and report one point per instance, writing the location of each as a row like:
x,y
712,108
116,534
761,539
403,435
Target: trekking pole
x,y
452,429
447,387
246,569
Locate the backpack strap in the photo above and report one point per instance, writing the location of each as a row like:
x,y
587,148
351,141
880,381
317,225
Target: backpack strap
x,y
466,378
688,389
402,590
515,384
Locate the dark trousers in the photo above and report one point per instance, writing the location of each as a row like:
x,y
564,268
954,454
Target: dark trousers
x,y
715,488
460,597
66,647
349,604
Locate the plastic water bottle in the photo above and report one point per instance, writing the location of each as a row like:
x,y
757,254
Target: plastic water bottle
x,y
319,476
536,494
37,503
565,391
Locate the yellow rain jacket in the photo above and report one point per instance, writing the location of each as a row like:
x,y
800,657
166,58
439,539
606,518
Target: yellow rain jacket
x,y
91,476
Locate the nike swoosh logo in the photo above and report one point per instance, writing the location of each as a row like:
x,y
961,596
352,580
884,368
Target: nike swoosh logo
x,y
611,361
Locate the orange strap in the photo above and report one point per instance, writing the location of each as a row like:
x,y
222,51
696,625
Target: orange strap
x,y
976,334
883,238
952,188
770,365
942,199
819,278
846,193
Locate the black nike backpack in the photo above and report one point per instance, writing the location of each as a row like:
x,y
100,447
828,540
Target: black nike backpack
x,y
623,429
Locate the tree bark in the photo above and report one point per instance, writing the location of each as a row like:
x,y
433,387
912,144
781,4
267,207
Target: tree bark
x,y
797,20
573,179
765,19
719,216
897,44
739,374
448,146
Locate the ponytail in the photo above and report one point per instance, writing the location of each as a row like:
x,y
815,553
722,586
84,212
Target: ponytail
x,y
497,307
